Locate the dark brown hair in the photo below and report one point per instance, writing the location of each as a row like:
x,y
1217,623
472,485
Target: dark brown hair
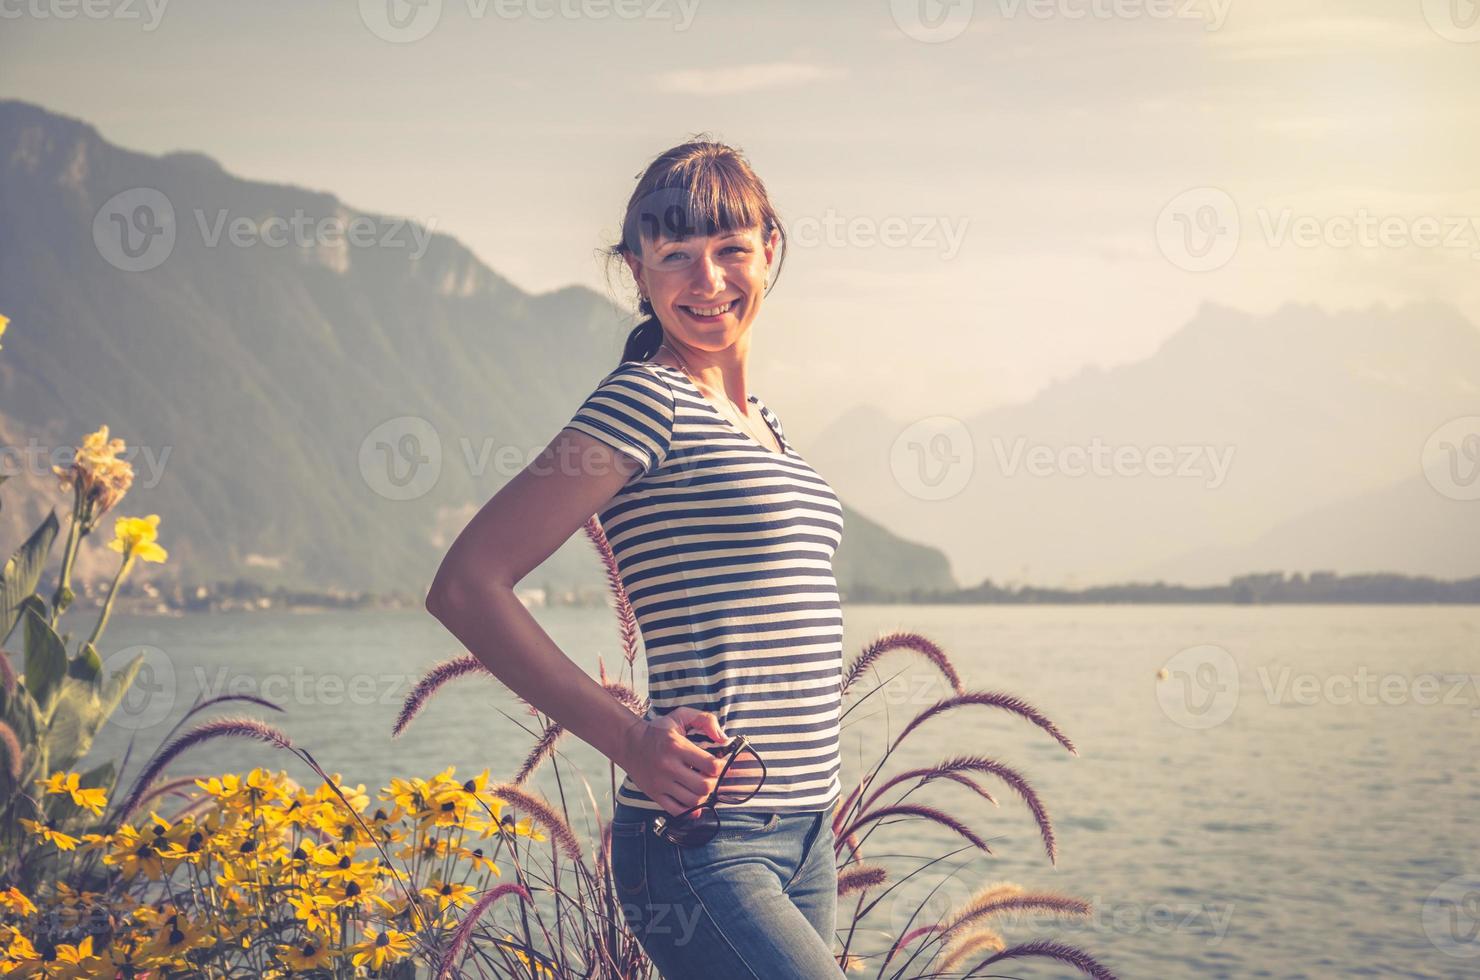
x,y
701,187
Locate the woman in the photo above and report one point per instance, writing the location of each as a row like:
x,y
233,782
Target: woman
x,y
724,537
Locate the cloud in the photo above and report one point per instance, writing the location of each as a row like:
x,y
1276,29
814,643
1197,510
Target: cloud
x,y
743,78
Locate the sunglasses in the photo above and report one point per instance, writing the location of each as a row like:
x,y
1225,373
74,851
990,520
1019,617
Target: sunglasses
x,y
739,780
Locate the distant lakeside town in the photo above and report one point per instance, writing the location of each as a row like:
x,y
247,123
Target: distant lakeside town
x,y
1267,588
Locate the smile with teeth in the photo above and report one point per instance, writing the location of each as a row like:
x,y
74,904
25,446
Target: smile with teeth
x,y
710,310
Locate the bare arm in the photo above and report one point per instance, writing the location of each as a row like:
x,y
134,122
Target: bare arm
x,y
473,596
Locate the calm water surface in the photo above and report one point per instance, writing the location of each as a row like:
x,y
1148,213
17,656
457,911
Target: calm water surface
x,y
1298,797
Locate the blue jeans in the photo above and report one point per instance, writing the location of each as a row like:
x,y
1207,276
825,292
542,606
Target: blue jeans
x,y
758,902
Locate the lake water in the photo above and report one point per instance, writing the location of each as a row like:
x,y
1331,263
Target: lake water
x,y
1298,797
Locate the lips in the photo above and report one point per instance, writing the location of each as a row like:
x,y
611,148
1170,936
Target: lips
x,y
709,311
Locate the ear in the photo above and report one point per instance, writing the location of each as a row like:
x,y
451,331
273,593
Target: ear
x,y
635,265
771,245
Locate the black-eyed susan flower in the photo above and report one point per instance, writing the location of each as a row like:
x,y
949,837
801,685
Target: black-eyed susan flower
x,y
448,894
311,954
48,832
14,901
69,784
62,961
380,948
175,937
315,911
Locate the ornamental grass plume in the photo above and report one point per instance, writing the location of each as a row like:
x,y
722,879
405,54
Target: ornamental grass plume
x,y
433,681
544,815
208,731
912,642
1049,949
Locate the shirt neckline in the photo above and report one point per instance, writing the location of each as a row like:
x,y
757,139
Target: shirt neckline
x,y
752,398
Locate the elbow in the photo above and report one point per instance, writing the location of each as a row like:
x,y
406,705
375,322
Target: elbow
x,y
442,594
452,590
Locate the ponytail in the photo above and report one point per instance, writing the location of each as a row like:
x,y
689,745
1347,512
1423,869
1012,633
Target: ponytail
x,y
643,341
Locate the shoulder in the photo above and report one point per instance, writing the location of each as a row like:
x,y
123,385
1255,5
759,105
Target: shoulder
x,y
630,409
639,379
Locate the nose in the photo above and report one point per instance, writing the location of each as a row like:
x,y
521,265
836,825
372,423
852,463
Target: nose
x,y
708,275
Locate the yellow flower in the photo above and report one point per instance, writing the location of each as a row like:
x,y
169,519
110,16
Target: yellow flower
x,y
177,936
70,783
4,322
133,851
223,787
448,894
378,949
14,901
538,967
48,832
66,962
480,860
134,536
526,828
307,955
316,911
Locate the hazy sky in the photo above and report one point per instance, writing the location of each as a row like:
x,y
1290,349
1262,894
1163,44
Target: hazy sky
x,y
984,196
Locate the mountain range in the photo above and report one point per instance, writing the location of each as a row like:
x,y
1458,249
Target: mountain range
x,y
1293,440
312,395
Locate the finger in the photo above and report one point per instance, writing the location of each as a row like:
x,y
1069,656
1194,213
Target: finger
x,y
700,760
715,731
690,781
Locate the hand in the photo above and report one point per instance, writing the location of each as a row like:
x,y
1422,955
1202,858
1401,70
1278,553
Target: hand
x,y
666,765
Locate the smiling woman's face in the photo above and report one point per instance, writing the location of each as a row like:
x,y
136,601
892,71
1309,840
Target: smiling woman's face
x,y
706,290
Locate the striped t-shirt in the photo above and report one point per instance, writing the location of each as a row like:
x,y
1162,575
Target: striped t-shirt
x,y
725,549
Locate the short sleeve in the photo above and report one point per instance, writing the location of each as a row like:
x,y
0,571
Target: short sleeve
x,y
631,411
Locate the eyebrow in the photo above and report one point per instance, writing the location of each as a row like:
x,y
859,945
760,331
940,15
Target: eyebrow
x,y
681,241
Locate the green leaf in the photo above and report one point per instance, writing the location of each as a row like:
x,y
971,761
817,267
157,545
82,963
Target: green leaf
x,y
46,660
23,571
115,687
87,666
75,720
